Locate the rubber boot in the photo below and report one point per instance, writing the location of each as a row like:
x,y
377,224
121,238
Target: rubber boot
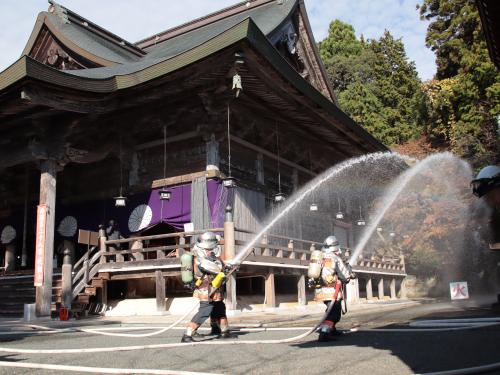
x,y
186,338
197,335
325,334
216,331
228,335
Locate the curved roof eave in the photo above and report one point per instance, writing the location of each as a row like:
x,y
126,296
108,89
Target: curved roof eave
x,y
117,56
26,67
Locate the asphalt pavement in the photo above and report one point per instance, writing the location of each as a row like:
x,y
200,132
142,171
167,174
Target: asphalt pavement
x,y
399,349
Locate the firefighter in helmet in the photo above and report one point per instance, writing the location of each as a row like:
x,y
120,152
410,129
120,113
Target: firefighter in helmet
x,y
327,275
209,271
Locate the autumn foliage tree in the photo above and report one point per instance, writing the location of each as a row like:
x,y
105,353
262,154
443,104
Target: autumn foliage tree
x,y
464,99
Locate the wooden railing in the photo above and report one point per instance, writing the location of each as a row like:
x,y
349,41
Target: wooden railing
x,y
396,264
270,248
138,252
277,248
85,269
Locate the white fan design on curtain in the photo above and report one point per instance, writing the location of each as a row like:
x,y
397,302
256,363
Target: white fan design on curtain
x,y
67,226
140,218
8,234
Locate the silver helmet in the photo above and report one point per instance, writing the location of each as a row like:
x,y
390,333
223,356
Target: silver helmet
x,y
487,179
207,241
331,245
330,241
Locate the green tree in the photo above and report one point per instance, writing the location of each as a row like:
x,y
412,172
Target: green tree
x,y
341,41
465,100
397,86
375,83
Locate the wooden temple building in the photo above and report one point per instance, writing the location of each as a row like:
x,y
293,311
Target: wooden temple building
x,y
86,116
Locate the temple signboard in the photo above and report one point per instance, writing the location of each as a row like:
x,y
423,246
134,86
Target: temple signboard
x,y
41,224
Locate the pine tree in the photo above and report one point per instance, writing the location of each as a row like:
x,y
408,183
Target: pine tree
x,y
397,86
375,83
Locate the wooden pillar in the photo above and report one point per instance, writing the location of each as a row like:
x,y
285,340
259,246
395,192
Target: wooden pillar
x,y
352,289
119,257
180,250
67,284
259,167
265,241
301,290
10,257
160,292
212,151
369,289
68,251
229,253
102,244
292,254
270,291
24,249
104,293
137,245
381,289
48,181
393,288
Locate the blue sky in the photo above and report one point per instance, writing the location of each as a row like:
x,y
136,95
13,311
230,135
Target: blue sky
x,y
136,19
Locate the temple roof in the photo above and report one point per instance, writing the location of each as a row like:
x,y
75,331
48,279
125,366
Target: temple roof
x,y
84,37
125,67
267,17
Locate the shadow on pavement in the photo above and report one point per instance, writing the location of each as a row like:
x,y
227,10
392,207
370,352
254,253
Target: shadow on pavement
x,y
425,351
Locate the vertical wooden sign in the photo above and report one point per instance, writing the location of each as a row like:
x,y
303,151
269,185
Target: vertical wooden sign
x,y
41,225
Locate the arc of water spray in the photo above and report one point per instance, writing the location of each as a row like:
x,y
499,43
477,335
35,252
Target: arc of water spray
x,y
393,192
304,192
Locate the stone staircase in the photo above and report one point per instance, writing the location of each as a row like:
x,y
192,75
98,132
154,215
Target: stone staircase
x,y
84,302
17,289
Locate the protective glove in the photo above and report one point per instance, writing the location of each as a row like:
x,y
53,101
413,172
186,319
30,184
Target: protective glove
x,y
228,267
329,279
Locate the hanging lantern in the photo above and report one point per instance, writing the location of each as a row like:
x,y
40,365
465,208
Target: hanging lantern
x,y
280,197
339,215
313,207
361,222
120,201
229,182
237,86
165,194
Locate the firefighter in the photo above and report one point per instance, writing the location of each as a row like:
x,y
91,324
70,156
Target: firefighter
x,y
209,272
327,275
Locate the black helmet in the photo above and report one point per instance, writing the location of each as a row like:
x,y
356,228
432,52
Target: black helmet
x,y
487,179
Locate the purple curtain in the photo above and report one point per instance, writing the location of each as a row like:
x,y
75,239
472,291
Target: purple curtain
x,y
175,212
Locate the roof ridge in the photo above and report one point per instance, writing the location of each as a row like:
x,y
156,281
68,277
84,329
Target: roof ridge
x,y
190,25
99,30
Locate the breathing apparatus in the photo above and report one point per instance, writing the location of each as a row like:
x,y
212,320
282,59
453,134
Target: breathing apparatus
x,y
207,251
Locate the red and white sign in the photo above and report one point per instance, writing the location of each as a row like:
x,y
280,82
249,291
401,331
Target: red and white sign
x,y
459,290
41,226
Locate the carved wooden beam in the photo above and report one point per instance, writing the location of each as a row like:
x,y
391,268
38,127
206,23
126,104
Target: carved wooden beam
x,y
53,98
